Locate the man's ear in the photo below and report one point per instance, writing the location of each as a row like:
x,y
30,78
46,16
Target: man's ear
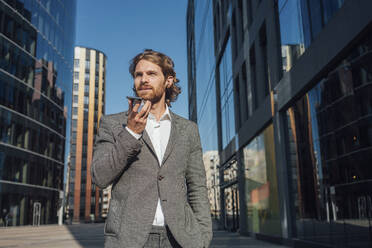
x,y
169,81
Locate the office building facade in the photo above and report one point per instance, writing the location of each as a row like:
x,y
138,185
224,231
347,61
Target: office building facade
x,y
36,52
281,89
88,105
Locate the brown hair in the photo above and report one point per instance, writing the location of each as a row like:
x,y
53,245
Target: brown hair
x,y
167,66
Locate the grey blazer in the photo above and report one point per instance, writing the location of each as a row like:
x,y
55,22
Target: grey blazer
x,y
132,167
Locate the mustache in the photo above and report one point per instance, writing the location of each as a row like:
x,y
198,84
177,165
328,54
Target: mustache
x,y
144,87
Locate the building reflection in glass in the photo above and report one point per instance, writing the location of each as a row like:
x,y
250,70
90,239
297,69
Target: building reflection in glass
x,y
261,184
300,23
227,96
204,77
330,141
231,195
35,96
202,74
211,164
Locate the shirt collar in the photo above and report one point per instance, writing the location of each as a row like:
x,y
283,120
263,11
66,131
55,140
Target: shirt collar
x,y
166,115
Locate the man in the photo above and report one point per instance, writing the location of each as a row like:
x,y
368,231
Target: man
x,y
153,159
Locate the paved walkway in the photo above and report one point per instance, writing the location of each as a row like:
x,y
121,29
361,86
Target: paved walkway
x,y
223,239
53,236
91,236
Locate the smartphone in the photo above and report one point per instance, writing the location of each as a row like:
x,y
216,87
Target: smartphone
x,y
135,100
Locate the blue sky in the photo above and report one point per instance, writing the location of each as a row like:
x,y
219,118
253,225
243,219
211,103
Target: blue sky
x,y
123,28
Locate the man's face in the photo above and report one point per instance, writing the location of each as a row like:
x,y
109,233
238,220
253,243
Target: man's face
x,y
149,81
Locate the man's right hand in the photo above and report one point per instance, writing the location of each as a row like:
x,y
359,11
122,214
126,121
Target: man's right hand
x,y
137,120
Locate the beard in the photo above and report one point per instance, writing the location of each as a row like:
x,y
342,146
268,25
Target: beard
x,y
152,94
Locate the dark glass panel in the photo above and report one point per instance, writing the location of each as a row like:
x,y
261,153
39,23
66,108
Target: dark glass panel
x,y
19,203
27,134
330,142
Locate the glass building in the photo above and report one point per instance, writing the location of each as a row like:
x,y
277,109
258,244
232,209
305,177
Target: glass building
x,y
285,88
36,54
88,104
202,92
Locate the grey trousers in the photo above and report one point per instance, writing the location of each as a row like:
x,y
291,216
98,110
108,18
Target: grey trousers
x,y
161,237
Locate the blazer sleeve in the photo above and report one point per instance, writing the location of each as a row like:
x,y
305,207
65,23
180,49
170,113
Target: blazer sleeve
x,y
113,151
197,188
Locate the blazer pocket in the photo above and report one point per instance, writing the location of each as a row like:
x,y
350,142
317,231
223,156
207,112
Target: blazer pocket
x,y
191,223
113,221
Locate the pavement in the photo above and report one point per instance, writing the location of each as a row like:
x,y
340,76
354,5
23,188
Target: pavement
x,y
91,236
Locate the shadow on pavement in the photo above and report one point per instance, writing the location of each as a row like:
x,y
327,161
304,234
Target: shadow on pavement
x,y
87,235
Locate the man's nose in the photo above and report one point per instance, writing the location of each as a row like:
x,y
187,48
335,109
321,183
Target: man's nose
x,y
144,78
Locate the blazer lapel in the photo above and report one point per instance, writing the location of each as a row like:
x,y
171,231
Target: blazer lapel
x,y
172,137
145,136
147,140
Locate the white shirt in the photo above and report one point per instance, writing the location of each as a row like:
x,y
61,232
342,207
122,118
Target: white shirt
x,y
159,132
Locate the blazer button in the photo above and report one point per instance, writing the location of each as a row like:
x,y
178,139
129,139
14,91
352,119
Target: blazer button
x,y
160,177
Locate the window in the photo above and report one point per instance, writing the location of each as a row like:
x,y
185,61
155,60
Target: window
x,y
73,147
72,161
261,184
300,22
253,79
86,100
241,20
227,96
234,35
87,64
87,54
242,95
248,89
263,51
76,76
87,76
85,151
76,63
249,12
74,124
